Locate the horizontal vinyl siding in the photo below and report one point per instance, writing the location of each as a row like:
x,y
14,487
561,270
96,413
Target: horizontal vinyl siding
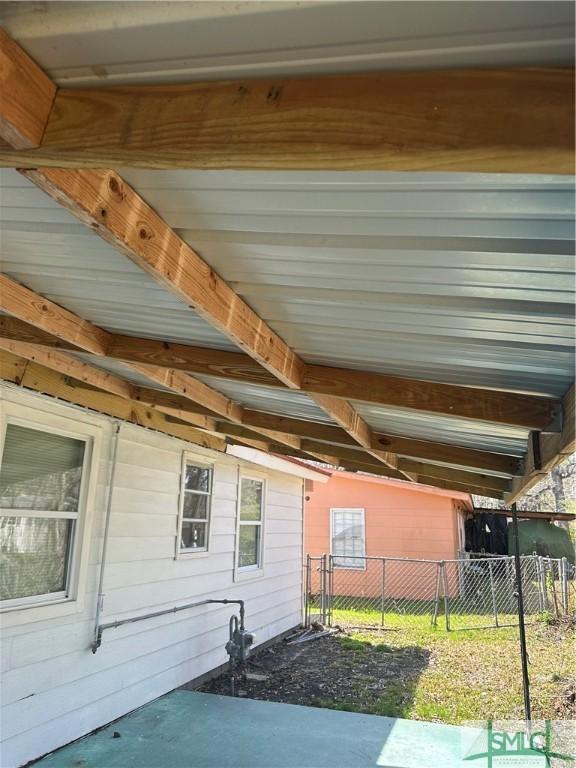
x,y
53,688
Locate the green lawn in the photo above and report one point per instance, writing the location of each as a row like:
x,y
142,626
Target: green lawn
x,y
471,674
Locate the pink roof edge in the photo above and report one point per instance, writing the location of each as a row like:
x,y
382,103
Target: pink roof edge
x,y
404,484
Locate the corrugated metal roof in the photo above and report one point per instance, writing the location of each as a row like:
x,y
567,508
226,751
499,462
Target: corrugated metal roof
x,y
47,250
84,43
498,438
463,278
119,369
284,402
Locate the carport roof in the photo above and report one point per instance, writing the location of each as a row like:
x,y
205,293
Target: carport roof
x,y
392,282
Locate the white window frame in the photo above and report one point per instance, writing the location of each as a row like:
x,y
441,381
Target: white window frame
x,y
192,459
257,570
333,510
75,552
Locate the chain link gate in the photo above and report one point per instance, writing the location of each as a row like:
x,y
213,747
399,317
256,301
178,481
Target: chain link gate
x,y
469,593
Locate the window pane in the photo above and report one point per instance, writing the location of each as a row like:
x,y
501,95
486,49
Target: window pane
x,y
249,549
197,478
250,499
33,556
193,535
195,506
348,538
40,470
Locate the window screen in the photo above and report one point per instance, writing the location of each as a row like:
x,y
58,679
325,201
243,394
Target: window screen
x,y
40,491
348,538
196,498
250,523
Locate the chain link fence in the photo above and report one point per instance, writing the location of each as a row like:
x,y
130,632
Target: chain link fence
x,y
471,592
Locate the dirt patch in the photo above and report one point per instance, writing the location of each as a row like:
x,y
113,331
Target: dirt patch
x,y
336,671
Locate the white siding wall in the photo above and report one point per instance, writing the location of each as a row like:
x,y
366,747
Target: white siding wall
x,y
53,688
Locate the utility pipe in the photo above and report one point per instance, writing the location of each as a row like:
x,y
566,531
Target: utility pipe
x,y
112,477
133,619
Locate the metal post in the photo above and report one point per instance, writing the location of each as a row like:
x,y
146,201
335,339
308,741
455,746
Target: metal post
x,y
522,628
442,565
383,593
564,572
307,588
436,597
541,584
330,587
493,593
323,589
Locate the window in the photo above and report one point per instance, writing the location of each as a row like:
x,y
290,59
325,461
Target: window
x,y
348,538
196,499
250,523
41,479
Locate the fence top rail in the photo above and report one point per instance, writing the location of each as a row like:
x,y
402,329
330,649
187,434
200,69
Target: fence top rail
x,y
384,557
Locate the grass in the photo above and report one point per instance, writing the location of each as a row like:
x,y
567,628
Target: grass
x,y
470,675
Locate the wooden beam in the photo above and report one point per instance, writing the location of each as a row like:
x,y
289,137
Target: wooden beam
x,y
450,399
350,420
527,411
444,452
278,428
425,470
435,482
33,376
27,97
105,202
192,389
527,514
49,317
97,379
552,449
487,120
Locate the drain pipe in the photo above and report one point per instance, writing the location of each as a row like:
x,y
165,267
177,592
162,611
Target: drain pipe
x,y
111,479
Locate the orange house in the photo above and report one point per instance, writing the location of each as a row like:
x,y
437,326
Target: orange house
x,y
356,517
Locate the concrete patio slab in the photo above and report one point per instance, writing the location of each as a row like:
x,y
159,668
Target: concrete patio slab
x,y
185,728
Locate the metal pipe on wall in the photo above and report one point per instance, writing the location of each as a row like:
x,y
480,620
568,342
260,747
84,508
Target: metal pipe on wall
x,y
111,479
164,612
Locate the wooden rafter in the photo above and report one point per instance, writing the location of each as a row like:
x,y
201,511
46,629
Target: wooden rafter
x,y
508,121
545,451
527,514
174,406
527,411
41,379
106,203
27,97
21,338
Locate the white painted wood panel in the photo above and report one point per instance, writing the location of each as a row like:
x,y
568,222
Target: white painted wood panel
x,y
53,688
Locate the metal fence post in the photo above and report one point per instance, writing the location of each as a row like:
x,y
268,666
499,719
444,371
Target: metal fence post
x,y
382,599
564,584
436,596
542,584
442,565
330,582
493,593
307,592
323,589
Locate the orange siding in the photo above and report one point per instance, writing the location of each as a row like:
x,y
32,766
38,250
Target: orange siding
x,y
399,523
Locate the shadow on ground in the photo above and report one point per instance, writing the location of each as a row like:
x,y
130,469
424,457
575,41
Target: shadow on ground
x,y
334,671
